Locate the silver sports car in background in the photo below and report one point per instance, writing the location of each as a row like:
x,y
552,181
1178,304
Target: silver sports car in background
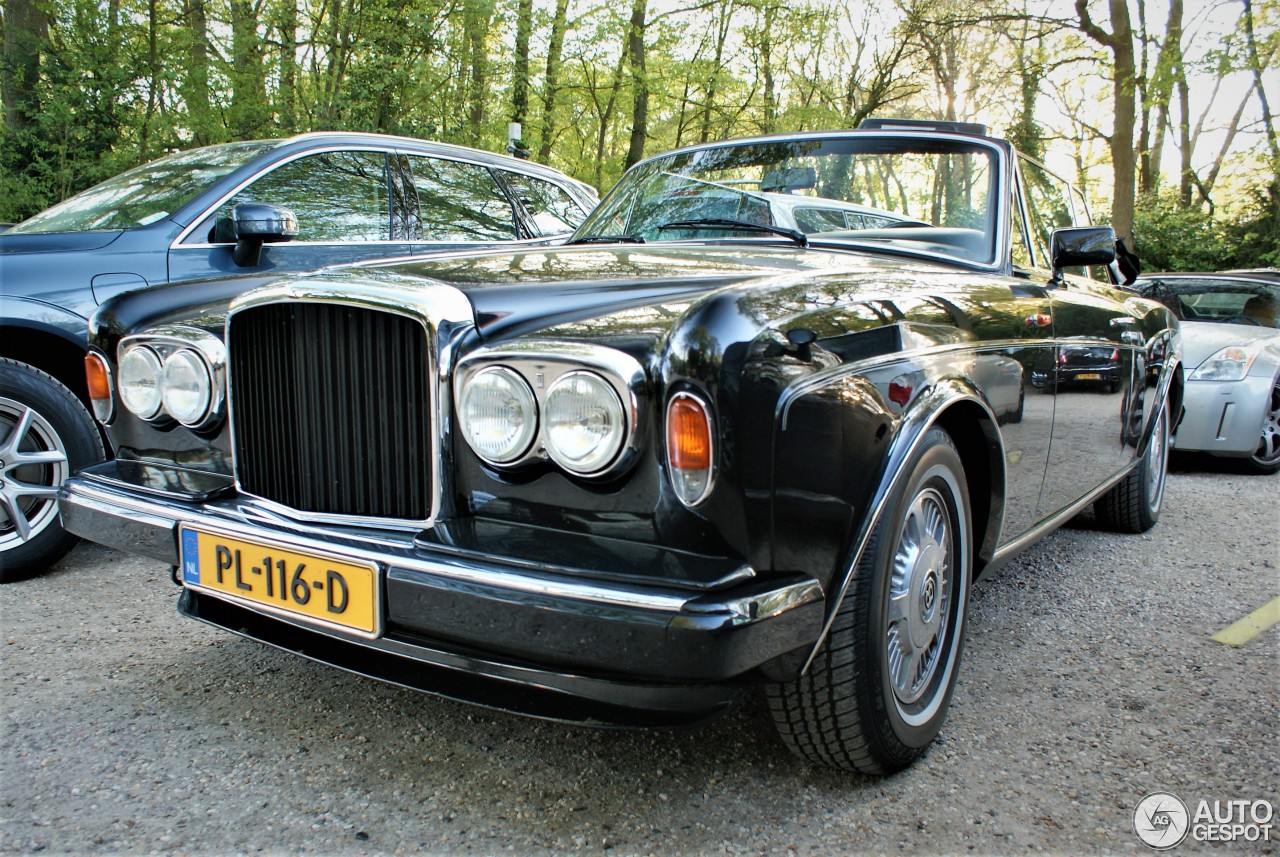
x,y
1231,351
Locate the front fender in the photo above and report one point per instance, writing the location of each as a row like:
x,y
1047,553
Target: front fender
x,y
861,463
44,317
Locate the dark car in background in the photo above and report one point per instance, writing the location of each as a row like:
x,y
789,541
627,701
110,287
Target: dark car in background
x,y
251,211
629,480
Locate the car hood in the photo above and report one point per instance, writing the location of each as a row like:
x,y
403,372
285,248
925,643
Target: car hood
x,y
56,242
1202,339
516,293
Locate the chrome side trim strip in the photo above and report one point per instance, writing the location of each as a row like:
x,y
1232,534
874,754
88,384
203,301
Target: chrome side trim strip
x,y
1006,552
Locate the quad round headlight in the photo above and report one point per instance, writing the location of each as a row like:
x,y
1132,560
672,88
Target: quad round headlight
x,y
498,415
141,381
585,422
188,387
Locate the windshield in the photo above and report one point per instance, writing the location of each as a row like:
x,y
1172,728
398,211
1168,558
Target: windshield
x,y
146,194
1222,301
925,195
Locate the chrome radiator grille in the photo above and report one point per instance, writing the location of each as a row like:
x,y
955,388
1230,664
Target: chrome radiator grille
x,y
331,409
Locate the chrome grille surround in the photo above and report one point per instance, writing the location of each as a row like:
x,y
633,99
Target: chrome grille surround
x,y
441,311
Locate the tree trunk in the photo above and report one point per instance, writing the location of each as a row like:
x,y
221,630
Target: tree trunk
x,y
713,83
288,27
26,32
477,19
1123,162
635,51
248,115
520,74
195,91
551,81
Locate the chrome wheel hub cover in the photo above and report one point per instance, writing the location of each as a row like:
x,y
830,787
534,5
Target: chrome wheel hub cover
x,y
919,597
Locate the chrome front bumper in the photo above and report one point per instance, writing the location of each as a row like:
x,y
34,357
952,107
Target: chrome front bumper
x,y
468,626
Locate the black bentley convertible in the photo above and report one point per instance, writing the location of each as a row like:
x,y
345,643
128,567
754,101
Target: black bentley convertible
x,y
691,454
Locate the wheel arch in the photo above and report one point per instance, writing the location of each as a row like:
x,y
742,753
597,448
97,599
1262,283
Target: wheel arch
x,y
49,350
956,406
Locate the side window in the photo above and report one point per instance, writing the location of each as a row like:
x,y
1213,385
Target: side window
x,y
336,196
820,220
1048,204
460,202
551,208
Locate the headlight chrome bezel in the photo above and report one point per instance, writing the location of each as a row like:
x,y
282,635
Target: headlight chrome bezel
x,y
151,361
166,342
602,454
528,430
544,363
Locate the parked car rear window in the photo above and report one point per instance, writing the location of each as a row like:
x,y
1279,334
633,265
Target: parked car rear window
x,y
146,194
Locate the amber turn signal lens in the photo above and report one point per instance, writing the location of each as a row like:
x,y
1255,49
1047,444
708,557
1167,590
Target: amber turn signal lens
x,y
688,435
98,377
689,448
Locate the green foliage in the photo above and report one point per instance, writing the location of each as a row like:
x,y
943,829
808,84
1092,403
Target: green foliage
x,y
1172,237
1255,236
124,81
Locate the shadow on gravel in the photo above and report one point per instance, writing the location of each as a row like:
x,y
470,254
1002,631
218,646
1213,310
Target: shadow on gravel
x,y
1202,462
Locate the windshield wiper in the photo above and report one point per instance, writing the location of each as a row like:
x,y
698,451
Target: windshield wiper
x,y
609,239
738,226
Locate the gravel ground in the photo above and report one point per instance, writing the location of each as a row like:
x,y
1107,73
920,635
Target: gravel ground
x,y
1089,681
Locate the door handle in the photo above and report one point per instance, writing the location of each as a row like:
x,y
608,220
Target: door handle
x,y
1123,321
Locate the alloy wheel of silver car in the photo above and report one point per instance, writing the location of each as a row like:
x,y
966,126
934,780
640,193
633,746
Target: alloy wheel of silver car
x,y
1266,458
45,435
33,463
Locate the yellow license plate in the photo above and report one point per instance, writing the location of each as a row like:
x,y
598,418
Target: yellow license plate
x,y
1088,376
300,583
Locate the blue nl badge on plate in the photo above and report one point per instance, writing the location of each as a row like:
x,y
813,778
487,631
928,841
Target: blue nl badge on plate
x,y
190,556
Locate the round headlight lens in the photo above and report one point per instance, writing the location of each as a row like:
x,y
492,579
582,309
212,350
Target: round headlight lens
x,y
498,415
140,386
586,423
188,388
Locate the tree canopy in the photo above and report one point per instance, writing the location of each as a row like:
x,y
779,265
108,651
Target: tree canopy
x,y
1163,113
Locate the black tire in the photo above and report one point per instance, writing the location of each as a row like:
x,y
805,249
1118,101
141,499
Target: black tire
x,y
857,708
45,435
1133,504
1266,459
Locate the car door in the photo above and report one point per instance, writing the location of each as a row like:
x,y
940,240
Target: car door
x,y
347,203
1097,359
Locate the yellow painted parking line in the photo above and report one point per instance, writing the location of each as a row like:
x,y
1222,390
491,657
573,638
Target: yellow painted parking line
x,y
1241,632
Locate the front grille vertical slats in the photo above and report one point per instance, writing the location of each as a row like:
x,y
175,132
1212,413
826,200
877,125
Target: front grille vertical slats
x,y
331,409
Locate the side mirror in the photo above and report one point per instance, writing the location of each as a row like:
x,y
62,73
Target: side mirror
x,y
259,223
1081,246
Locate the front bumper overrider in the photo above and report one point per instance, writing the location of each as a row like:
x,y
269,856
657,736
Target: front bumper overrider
x,y
487,629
